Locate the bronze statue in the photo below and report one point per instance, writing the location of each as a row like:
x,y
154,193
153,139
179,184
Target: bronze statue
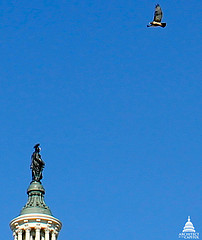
x,y
37,164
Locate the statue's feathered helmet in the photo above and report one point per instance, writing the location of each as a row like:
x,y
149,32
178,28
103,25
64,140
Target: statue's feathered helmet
x,y
37,147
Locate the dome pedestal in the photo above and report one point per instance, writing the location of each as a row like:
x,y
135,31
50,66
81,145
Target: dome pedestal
x,y
35,221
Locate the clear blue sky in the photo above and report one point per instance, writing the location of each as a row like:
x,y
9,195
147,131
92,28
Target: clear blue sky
x,y
116,107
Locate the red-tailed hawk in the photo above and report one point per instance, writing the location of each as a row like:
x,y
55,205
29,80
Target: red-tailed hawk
x,y
157,18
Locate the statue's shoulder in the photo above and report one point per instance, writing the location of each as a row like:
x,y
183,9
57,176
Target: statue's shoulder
x,y
35,155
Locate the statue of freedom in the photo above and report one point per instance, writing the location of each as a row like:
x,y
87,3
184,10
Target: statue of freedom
x,y
37,164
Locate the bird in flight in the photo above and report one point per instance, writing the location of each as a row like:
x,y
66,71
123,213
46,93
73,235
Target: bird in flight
x,y
157,18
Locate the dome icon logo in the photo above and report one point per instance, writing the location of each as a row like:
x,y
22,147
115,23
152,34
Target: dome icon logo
x,y
189,232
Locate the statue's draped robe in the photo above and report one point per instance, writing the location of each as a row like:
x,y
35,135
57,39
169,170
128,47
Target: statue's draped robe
x,y
37,166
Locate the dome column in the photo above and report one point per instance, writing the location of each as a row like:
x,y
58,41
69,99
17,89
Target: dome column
x,y
27,233
15,236
47,234
38,229
19,234
53,235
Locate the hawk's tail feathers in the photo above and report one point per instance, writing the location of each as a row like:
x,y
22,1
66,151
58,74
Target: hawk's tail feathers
x,y
163,25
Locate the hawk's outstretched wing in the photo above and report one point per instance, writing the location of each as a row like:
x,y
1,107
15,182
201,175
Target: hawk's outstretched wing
x,y
158,13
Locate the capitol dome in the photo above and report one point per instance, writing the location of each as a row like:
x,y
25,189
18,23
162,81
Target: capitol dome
x,y
188,226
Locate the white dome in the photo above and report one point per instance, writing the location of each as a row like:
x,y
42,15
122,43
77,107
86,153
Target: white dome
x,y
188,226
